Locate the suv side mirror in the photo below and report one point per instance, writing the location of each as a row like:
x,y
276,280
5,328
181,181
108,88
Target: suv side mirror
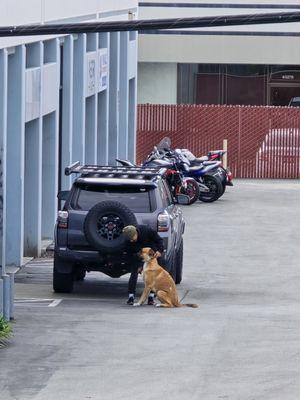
x,y
183,199
63,195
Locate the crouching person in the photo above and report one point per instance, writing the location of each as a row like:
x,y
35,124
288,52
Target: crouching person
x,y
138,237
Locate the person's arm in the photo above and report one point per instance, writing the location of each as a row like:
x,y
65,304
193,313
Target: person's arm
x,y
157,240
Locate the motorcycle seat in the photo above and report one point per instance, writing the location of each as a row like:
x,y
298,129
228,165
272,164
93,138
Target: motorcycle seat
x,y
201,159
211,162
196,168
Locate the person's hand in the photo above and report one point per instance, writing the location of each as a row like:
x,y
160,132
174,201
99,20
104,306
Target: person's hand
x,y
157,254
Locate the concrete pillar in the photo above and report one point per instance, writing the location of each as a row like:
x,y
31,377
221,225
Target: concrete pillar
x,y
15,156
132,66
67,107
131,152
50,129
49,177
91,99
33,188
78,151
102,128
3,133
114,97
91,130
103,105
124,95
33,153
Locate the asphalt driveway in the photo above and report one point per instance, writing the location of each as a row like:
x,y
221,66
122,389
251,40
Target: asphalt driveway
x,y
241,265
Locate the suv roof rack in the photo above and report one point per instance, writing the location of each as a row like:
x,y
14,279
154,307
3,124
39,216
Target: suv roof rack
x,y
105,171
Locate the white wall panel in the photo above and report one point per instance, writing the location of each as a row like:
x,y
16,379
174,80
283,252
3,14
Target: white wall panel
x,y
32,93
131,58
50,85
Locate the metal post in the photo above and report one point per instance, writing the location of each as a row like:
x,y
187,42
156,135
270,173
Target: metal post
x,y
225,155
6,297
1,298
12,296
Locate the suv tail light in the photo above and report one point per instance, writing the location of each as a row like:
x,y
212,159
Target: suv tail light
x,y
62,219
163,222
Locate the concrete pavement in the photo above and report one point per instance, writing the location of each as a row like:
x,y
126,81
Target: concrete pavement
x,y
241,265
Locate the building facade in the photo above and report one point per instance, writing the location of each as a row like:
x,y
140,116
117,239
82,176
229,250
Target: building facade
x,y
250,65
62,99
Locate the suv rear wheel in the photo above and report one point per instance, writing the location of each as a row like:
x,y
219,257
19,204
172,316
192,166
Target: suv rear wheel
x,y
62,281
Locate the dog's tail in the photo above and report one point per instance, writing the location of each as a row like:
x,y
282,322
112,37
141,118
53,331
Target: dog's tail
x,y
189,305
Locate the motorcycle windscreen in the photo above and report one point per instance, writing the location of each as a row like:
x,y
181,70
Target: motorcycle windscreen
x,y
164,144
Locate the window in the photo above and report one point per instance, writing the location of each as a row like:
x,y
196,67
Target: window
x,y
138,199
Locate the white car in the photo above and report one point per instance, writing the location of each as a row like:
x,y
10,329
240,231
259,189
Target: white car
x,y
279,154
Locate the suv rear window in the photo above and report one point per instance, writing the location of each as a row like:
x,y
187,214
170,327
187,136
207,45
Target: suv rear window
x,y
138,199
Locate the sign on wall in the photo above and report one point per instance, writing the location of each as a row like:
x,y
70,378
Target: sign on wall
x,y
90,74
103,69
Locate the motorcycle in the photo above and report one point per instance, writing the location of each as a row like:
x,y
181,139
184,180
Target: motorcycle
x,y
208,174
215,155
175,177
178,184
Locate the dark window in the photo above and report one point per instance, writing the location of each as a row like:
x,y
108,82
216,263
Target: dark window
x,y
138,199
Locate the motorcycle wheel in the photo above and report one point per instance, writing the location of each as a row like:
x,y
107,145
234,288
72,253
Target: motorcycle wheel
x,y
192,190
215,189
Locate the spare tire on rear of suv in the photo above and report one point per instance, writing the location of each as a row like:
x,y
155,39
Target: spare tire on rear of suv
x,y
104,223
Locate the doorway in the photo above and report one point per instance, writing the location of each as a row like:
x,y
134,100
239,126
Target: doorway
x,y
281,95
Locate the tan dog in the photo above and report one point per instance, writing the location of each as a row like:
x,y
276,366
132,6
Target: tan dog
x,y
159,281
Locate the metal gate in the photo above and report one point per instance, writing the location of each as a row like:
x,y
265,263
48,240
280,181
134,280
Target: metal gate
x,y
263,142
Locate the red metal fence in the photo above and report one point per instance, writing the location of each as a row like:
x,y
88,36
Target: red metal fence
x,y
263,142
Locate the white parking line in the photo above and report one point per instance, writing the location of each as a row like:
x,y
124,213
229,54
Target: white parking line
x,y
55,303
36,301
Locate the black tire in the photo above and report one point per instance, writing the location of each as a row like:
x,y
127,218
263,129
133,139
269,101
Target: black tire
x,y
192,190
62,281
104,223
179,263
215,191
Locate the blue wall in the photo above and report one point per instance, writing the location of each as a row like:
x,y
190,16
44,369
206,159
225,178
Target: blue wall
x,y
61,100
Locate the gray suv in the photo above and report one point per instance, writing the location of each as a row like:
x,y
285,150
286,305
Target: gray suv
x,y
102,200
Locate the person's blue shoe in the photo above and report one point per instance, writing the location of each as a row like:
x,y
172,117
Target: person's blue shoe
x,y
130,300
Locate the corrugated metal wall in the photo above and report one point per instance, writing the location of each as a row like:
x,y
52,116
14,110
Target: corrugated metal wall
x,y
263,142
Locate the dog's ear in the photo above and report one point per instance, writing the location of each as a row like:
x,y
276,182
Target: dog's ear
x,y
151,253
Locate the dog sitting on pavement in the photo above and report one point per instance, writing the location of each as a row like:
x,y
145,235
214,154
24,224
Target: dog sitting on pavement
x,y
159,281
